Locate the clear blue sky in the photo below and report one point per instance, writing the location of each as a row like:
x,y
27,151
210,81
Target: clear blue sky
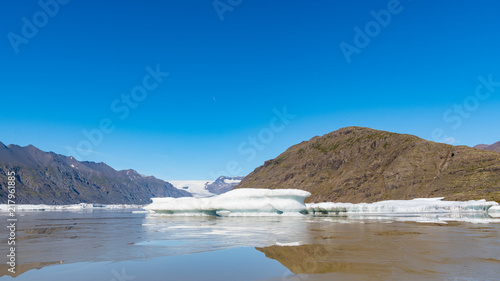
x,y
65,68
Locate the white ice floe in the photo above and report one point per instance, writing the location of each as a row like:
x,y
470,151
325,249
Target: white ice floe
x,y
73,207
239,202
418,205
195,187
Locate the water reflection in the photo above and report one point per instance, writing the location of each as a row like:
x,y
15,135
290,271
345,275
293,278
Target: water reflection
x,y
393,251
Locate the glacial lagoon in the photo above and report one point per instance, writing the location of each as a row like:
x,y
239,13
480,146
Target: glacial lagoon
x,y
130,244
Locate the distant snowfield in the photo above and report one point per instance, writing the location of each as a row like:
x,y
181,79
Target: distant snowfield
x,y
195,187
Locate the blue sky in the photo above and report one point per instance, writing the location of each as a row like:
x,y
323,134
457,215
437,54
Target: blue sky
x,y
246,79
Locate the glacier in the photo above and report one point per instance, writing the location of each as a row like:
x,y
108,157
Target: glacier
x,y
231,181
195,187
239,202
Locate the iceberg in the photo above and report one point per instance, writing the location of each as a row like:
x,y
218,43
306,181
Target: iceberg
x,y
418,205
239,202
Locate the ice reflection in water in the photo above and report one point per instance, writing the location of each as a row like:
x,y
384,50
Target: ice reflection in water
x,y
201,234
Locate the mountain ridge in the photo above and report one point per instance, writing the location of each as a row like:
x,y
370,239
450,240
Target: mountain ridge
x,y
50,178
493,147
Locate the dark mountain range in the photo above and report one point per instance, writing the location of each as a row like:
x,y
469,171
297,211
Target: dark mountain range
x,y
50,178
223,184
493,147
357,164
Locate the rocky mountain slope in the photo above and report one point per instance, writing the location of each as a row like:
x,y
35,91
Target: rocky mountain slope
x,y
357,164
49,178
493,147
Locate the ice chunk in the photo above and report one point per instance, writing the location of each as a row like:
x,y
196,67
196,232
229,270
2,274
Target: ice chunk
x,y
223,213
239,202
418,205
494,209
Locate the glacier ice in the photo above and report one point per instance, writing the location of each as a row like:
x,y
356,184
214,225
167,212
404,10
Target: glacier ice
x,y
239,202
418,205
228,181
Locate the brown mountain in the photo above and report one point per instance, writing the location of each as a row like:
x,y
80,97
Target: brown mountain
x,y
493,147
357,164
50,178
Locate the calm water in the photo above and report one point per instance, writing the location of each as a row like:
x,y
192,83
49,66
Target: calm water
x,y
121,245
